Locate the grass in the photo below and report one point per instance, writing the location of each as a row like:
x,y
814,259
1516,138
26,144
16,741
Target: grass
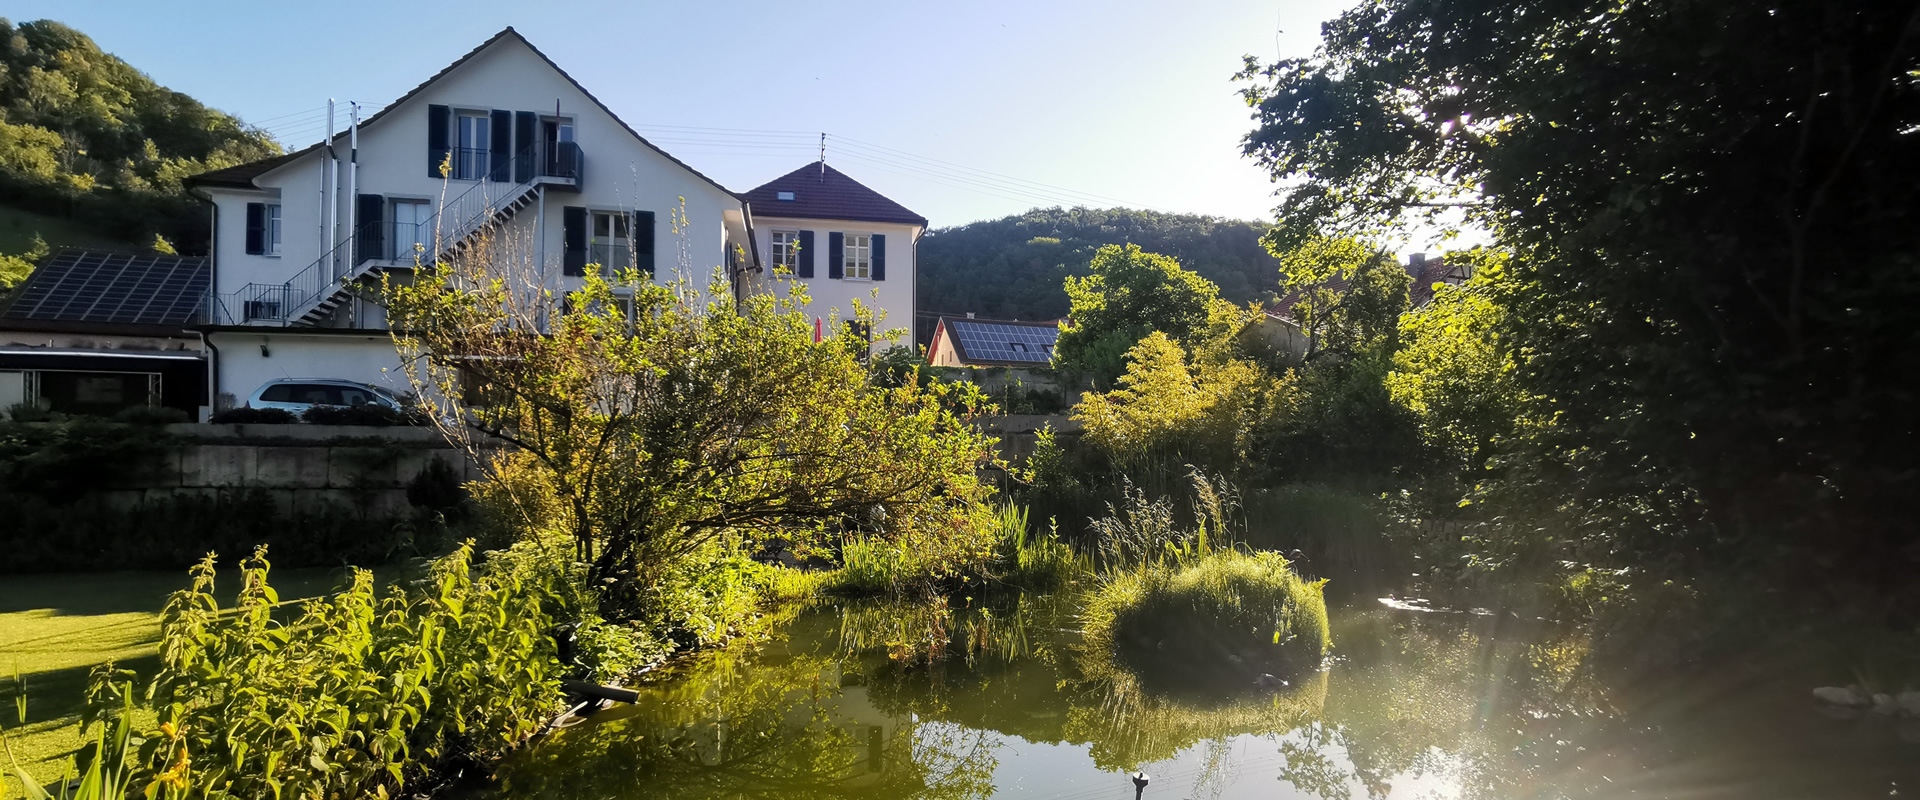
x,y
55,628
1211,626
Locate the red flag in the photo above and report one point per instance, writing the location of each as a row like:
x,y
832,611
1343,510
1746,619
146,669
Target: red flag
x,y
816,330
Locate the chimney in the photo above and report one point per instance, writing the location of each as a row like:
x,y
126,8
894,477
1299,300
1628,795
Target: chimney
x,y
969,315
1416,263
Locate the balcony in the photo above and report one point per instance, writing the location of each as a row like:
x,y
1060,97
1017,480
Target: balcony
x,y
556,164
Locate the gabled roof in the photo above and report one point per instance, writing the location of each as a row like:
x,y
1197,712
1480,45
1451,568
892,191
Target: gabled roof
x,y
92,286
822,192
999,342
242,176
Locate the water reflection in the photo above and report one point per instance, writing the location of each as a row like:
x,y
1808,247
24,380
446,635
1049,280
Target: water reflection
x,y
869,701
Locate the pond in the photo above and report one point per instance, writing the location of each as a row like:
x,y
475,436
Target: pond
x,y
846,702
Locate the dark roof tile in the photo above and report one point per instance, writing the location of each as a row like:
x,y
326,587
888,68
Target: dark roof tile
x,y
821,192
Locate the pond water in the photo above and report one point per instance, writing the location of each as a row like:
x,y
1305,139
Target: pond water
x,y
848,701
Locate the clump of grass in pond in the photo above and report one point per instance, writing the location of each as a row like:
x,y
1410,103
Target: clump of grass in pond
x,y
1213,626
1129,727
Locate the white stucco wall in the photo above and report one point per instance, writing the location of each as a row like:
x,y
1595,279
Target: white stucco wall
x,y
895,295
621,174
244,365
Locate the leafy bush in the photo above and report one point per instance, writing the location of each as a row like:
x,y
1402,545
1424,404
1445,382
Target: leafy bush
x,y
152,415
1225,618
62,461
1168,408
368,414
438,488
360,695
171,531
254,416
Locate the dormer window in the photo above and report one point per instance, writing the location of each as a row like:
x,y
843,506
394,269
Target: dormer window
x,y
786,196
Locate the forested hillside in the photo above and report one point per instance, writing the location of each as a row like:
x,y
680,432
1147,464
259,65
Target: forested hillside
x,y
94,144
1013,268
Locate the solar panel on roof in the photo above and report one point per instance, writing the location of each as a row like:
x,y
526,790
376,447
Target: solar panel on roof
x,y
996,341
95,286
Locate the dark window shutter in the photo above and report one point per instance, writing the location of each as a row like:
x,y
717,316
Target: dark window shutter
x,y
256,228
879,257
437,149
643,242
524,123
372,241
804,269
836,255
500,143
573,224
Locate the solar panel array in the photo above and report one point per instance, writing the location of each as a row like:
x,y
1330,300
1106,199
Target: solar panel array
x,y
1000,341
96,286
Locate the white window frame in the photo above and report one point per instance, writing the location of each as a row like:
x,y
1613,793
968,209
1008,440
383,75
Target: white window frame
x,y
615,221
856,256
786,251
271,230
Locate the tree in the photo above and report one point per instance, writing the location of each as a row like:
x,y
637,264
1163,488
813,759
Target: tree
x,y
87,136
1713,233
1168,408
1129,294
1347,296
665,421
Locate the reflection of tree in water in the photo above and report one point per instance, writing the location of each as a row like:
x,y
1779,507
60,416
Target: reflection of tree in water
x,y
736,726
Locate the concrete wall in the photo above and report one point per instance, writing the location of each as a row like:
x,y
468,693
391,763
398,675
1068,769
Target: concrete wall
x,y
303,467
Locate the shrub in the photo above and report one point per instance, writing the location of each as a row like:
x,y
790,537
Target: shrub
x,y
1220,621
437,487
254,416
369,414
361,695
152,415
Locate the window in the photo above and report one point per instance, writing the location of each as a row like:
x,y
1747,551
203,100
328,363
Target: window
x,y
470,157
611,245
787,196
412,230
857,256
272,230
786,250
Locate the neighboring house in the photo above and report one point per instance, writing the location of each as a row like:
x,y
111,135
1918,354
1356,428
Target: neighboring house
x,y
842,240
1278,330
970,342
93,332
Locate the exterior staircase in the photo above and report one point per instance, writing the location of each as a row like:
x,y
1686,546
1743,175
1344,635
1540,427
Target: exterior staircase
x,y
315,292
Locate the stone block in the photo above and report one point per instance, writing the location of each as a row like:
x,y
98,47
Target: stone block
x,y
291,467
217,465
359,467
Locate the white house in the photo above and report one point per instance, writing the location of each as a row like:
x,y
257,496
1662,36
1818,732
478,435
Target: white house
x,y
846,242
502,137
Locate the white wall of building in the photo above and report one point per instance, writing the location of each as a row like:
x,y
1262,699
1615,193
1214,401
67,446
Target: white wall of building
x,y
248,359
621,174
834,296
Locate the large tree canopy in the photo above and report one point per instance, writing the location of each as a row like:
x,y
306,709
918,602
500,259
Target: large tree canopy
x,y
84,134
1711,208
1130,294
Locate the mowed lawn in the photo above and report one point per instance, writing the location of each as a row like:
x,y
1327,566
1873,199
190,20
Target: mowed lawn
x,y
55,628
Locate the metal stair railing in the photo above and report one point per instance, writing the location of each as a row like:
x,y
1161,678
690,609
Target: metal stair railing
x,y
452,223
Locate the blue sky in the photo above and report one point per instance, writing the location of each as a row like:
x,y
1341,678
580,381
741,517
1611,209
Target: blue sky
x,y
1064,103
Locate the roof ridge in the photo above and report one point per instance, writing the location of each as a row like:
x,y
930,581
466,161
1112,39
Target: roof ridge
x,y
470,54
